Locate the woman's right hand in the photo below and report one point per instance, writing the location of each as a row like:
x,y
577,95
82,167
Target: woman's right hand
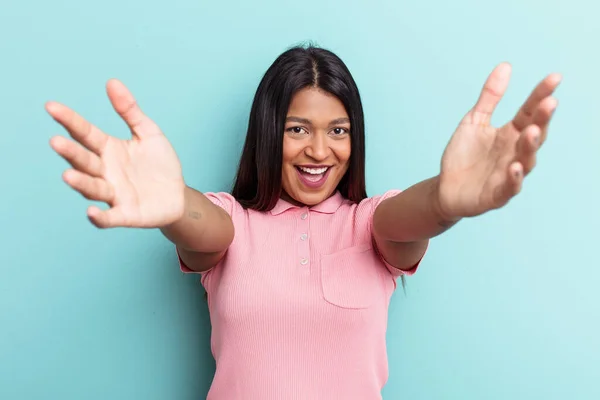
x,y
140,179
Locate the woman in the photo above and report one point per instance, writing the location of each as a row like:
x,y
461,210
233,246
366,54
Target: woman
x,y
298,263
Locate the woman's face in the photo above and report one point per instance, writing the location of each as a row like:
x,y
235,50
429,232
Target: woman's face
x,y
316,147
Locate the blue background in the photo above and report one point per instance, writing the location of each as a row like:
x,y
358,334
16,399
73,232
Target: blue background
x,y
505,306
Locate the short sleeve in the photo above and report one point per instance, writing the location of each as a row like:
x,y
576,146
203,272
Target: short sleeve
x,y
228,203
224,200
376,201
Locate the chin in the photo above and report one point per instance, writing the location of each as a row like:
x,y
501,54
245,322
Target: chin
x,y
312,198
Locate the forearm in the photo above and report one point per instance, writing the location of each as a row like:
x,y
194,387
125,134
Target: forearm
x,y
411,216
203,227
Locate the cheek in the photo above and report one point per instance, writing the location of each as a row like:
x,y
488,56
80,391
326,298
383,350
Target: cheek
x,y
343,153
288,160
290,152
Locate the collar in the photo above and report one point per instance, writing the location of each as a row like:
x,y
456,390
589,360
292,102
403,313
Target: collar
x,y
328,206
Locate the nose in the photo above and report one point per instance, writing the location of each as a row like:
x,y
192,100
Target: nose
x,y
318,148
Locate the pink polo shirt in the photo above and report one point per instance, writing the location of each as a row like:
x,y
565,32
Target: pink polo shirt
x,y
298,305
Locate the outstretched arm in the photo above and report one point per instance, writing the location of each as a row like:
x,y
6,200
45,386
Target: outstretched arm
x,y
140,180
482,168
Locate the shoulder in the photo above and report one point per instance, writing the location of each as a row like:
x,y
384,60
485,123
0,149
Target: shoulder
x,y
226,201
368,205
354,220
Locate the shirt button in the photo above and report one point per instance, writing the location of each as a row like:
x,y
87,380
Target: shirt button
x,y
303,216
304,236
304,261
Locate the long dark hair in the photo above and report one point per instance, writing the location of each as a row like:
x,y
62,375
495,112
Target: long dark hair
x,y
258,181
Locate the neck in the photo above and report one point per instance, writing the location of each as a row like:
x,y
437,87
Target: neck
x,y
285,196
290,199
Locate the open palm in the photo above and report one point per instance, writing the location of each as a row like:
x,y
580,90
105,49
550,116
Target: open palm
x,y
140,179
483,167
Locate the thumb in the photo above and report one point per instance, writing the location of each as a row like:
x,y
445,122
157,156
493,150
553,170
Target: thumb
x,y
492,92
111,218
126,106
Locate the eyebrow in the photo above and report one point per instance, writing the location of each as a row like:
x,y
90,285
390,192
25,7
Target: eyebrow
x,y
336,121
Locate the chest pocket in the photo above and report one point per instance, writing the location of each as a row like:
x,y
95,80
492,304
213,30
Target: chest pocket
x,y
351,278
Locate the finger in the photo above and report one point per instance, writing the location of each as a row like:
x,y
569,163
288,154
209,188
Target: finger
x,y
110,218
544,89
493,90
126,106
81,130
527,146
511,186
78,156
90,187
543,115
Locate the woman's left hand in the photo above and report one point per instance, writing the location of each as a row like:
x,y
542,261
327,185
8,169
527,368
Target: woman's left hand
x,y
483,167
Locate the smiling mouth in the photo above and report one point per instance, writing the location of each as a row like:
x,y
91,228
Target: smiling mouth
x,y
313,177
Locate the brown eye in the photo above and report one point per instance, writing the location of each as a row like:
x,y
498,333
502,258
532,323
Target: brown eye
x,y
297,130
339,131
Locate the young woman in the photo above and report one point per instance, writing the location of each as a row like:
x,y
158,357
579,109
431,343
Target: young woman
x,y
298,263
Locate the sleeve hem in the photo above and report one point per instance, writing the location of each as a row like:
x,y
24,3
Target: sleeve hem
x,y
394,271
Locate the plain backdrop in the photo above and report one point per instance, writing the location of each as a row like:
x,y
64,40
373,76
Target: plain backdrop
x,y
505,306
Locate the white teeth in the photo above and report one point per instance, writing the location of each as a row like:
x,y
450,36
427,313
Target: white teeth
x,y
314,171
